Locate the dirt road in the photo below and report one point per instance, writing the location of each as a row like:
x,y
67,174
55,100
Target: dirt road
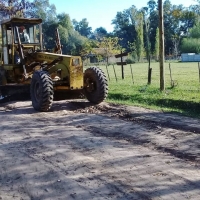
x,y
78,151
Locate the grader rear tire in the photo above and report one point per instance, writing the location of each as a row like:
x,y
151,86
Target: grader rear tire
x,y
95,85
41,91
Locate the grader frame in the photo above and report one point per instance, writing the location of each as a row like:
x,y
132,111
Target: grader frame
x,y
44,71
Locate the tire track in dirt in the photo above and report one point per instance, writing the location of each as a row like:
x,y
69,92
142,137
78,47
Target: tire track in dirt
x,y
158,127
77,151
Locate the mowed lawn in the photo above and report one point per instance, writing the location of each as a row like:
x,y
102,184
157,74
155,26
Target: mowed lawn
x,y
181,95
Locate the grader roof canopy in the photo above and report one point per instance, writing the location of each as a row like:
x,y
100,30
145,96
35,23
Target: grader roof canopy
x,y
21,20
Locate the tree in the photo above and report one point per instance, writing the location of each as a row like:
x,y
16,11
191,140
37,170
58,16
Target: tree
x,y
87,48
121,20
157,45
196,9
110,47
177,21
75,43
82,27
71,40
49,34
195,31
191,44
169,25
99,33
140,36
44,10
152,5
188,18
21,8
124,27
152,24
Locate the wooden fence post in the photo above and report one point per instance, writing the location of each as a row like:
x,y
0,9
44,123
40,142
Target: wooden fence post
x,y
121,62
115,73
149,72
132,73
108,72
170,72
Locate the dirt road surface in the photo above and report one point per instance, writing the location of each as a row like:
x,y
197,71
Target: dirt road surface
x,y
79,151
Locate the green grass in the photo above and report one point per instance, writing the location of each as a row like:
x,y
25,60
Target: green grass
x,y
183,98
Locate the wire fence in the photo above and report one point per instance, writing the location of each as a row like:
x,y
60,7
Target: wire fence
x,y
185,76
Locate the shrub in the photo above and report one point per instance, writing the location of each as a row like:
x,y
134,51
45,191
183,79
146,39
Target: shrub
x,y
190,45
130,61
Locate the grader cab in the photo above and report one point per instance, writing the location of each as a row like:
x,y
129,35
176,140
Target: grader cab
x,y
26,63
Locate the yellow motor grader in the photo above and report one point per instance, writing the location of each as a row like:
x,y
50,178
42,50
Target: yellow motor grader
x,y
25,63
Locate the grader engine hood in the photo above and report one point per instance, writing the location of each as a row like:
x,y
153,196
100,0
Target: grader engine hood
x,y
70,67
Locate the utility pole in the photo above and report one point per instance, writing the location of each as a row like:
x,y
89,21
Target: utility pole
x,y
161,42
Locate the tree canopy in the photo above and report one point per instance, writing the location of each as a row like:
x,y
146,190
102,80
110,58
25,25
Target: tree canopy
x,y
136,30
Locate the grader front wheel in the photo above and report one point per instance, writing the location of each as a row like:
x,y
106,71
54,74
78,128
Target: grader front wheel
x,y
41,91
95,85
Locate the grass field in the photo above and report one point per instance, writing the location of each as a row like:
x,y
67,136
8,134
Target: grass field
x,y
183,98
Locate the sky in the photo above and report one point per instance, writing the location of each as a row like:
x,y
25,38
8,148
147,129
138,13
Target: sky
x,y
100,13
